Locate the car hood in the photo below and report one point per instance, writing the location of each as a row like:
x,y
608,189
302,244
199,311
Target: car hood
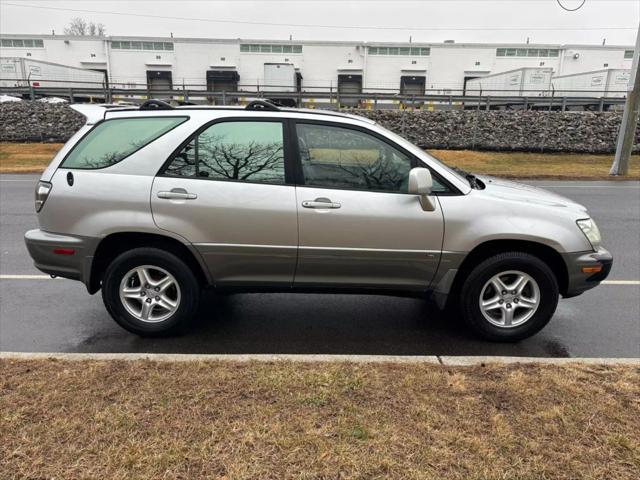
x,y
520,192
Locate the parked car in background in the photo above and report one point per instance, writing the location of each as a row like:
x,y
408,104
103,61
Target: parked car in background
x,y
152,204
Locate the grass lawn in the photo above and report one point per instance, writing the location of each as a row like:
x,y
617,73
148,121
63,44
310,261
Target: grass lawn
x,y
34,157
139,419
566,166
26,157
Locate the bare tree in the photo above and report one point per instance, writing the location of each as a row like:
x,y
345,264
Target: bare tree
x,y
80,27
96,29
218,158
384,174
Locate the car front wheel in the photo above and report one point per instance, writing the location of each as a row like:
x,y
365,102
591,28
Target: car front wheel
x,y
150,292
509,297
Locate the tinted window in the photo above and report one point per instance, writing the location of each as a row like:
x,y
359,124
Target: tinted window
x,y
243,151
338,157
113,140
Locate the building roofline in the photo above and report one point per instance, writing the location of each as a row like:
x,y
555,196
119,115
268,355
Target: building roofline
x,y
561,46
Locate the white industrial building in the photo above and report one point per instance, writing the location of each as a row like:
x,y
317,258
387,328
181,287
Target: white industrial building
x,y
351,67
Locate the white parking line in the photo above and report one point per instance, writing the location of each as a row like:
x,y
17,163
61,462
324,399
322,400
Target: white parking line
x,y
588,186
621,282
47,277
25,277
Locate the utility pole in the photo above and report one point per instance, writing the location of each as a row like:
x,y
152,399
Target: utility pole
x,y
627,132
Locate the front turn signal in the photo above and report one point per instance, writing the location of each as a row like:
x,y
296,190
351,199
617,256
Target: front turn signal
x,y
595,269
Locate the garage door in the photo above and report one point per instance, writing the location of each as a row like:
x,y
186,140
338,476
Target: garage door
x,y
349,84
159,80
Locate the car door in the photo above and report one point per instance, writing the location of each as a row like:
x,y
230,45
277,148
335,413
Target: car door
x,y
228,191
358,226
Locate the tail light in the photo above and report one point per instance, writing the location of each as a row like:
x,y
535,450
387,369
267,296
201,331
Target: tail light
x,y
42,192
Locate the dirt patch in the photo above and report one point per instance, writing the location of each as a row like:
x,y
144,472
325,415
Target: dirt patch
x,y
139,419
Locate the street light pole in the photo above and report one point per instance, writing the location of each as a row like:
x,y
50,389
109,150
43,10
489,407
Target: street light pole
x,y
627,132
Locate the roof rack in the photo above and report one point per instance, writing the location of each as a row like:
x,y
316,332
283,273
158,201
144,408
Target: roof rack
x,y
262,105
155,104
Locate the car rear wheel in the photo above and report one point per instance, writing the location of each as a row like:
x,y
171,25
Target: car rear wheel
x,y
150,292
509,297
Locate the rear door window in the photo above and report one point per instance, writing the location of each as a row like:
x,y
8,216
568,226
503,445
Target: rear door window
x,y
113,140
244,151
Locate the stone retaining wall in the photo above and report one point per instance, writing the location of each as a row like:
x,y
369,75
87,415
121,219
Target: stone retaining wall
x,y
535,131
580,132
28,121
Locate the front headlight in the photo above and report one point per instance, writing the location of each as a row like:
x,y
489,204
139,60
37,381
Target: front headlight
x,y
591,231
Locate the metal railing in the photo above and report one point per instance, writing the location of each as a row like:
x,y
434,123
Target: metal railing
x,y
322,97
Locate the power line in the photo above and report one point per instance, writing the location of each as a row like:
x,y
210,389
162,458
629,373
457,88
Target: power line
x,y
346,27
371,1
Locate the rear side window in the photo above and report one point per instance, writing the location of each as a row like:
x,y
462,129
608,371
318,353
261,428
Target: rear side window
x,y
113,140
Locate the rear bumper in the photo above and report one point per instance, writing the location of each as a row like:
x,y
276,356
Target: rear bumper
x,y
580,281
51,254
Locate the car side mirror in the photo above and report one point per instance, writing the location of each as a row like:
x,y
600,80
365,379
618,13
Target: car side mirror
x,y
421,183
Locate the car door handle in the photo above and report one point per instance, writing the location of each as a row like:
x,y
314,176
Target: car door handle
x,y
177,194
320,203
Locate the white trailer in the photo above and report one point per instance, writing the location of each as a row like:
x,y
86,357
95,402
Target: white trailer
x,y
609,82
24,72
280,77
526,82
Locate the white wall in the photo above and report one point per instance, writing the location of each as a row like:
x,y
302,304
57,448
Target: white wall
x,y
451,63
319,63
70,51
194,59
593,59
384,72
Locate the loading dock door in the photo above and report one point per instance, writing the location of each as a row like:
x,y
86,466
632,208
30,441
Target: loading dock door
x,y
105,84
222,81
413,85
466,79
349,84
159,80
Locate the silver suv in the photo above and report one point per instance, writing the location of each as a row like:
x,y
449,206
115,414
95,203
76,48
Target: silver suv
x,y
153,203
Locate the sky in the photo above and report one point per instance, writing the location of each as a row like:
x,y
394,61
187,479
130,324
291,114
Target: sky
x,y
541,21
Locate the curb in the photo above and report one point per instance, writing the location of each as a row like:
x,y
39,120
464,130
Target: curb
x,y
461,361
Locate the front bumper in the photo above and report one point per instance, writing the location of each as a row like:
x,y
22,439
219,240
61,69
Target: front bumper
x,y
578,280
51,254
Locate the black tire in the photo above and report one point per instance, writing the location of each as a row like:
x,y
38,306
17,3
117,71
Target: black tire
x,y
484,271
184,276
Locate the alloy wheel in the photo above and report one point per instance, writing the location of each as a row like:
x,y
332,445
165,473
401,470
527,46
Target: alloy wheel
x,y
150,293
509,299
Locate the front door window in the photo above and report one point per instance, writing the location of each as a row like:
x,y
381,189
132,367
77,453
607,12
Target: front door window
x,y
343,158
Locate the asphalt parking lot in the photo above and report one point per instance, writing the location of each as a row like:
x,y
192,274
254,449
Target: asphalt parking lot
x,y
40,315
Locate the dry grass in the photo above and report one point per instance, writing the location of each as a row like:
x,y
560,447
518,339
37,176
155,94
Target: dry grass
x,y
26,157
285,420
536,165
34,157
